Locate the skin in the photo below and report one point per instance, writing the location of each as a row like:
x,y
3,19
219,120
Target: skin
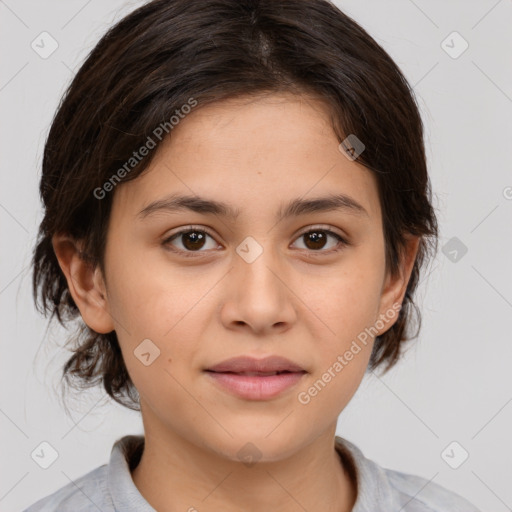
x,y
294,300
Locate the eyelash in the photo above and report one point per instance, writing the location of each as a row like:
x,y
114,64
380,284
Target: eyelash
x,y
194,254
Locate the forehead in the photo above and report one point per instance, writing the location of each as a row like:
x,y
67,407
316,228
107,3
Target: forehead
x,y
252,153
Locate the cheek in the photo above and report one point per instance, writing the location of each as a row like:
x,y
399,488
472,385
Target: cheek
x,y
343,344
346,301
145,295
345,310
148,305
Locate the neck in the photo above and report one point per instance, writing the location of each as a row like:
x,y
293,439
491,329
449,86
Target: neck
x,y
177,475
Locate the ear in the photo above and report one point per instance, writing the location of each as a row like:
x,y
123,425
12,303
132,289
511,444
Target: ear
x,y
85,283
394,287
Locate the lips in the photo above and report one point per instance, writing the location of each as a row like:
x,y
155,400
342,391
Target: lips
x,y
249,378
258,374
250,366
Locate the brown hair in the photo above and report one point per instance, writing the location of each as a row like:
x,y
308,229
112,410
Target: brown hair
x,y
168,51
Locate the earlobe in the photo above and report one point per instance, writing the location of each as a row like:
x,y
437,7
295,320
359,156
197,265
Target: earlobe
x,y
85,283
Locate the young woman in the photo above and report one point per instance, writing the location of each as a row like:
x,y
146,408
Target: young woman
x,y
237,205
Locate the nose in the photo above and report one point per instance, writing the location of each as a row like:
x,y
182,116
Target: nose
x,y
260,296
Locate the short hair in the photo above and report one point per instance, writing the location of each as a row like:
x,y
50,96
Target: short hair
x,y
169,52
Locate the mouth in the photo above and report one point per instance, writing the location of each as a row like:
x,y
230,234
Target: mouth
x,y
250,385
257,374
271,365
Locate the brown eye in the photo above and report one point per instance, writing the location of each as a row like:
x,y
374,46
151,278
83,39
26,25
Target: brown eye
x,y
192,240
317,239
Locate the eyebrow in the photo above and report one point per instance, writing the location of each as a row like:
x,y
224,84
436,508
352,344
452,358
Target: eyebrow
x,y
176,203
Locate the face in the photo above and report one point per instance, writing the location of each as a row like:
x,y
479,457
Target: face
x,y
202,285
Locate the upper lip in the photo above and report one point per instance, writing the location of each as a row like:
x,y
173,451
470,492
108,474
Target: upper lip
x,y
251,364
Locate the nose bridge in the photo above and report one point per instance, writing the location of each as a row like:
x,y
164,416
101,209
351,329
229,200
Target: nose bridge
x,y
258,263
260,296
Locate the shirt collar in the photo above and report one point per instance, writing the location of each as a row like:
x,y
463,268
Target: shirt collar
x,y
125,495
373,487
374,491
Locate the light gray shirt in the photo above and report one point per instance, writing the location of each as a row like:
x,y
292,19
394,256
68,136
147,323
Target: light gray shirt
x,y
110,488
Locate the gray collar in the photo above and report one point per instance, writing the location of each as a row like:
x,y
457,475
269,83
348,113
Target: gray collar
x,y
373,491
125,494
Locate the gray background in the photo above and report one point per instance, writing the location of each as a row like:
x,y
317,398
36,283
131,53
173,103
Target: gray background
x,y
454,384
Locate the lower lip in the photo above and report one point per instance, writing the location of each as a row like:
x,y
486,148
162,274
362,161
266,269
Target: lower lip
x,y
256,388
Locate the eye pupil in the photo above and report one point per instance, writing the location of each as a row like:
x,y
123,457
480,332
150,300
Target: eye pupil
x,y
318,239
196,238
